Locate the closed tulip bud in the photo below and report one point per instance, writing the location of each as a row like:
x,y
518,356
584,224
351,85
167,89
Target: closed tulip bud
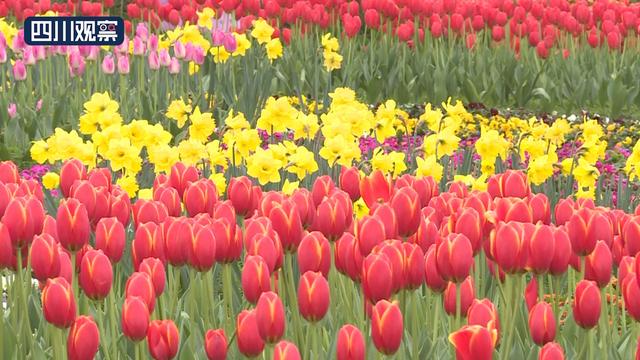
x,y
467,295
181,175
200,197
305,206
313,296
587,304
9,172
269,248
551,351
223,210
484,313
541,244
108,65
531,293
474,342
369,232
96,275
350,182
95,199
20,222
387,215
469,223
148,242
135,318
377,277
542,323
155,269
240,192
406,205
249,341
414,269
511,183
228,241
350,344
599,264
330,218
347,257
149,211
110,238
285,350
454,257
386,326
65,265
255,278
395,254
72,223
375,188
509,247
58,303
540,208
586,227
564,210
631,295
50,228
120,207
202,251
432,277
71,171
178,233
512,209
631,235
322,187
269,200
170,198
314,254
163,339
83,339
215,344
561,252
286,222
45,259
140,284
626,266
100,177
270,317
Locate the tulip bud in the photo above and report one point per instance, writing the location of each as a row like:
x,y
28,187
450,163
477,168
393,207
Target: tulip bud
x,y
45,259
181,175
350,344
163,339
96,275
542,323
249,341
386,326
200,196
509,247
511,183
586,227
375,188
239,191
587,304
71,171
387,215
83,339
322,186
414,270
202,254
228,237
170,198
314,254
630,235
474,342
540,208
215,344
23,218
469,223
286,222
155,269
313,296
110,238
178,233
285,350
58,303
541,244
255,278
599,264
377,277
9,172
454,257
135,318
432,277
72,223
395,254
330,218
369,232
149,211
406,205
140,284
347,257
350,182
270,317
484,313
561,252
120,207
551,351
467,295
631,295
147,242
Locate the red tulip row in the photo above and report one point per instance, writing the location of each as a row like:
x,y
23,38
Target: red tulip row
x,y
413,235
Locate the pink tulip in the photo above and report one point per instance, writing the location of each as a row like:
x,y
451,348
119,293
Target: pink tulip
x,y
108,65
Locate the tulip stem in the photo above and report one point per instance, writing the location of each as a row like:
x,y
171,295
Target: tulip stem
x,y
458,306
291,293
139,350
24,324
228,296
101,325
112,319
434,330
74,280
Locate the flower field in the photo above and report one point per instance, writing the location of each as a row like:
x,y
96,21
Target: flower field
x,y
323,179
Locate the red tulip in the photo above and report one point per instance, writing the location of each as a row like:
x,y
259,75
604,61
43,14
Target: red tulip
x,y
145,211
71,171
95,199
255,278
585,227
249,341
181,175
200,197
9,172
58,303
631,295
72,224
286,222
83,339
540,208
467,295
178,234
100,177
45,259
377,277
484,313
474,342
313,296
155,269
135,318
270,317
96,275
110,238
347,257
215,344
509,247
454,257
386,326
512,209
322,187
350,179
285,350
163,339
414,266
168,196
303,201
561,252
387,215
587,304
599,264
23,218
331,218
375,188
551,351
140,284
395,255
369,232
240,192
148,242
120,207
511,183
350,344
631,235
542,323
202,249
314,254
432,277
269,249
531,293
541,244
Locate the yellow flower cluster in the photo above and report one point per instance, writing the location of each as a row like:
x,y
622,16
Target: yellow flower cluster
x,y
263,32
332,58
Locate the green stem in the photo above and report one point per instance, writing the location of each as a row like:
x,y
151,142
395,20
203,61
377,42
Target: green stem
x,y
228,296
434,330
101,325
291,293
112,320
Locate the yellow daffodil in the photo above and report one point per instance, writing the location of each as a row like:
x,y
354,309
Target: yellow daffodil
x,y
262,31
50,180
179,111
429,166
274,49
262,166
